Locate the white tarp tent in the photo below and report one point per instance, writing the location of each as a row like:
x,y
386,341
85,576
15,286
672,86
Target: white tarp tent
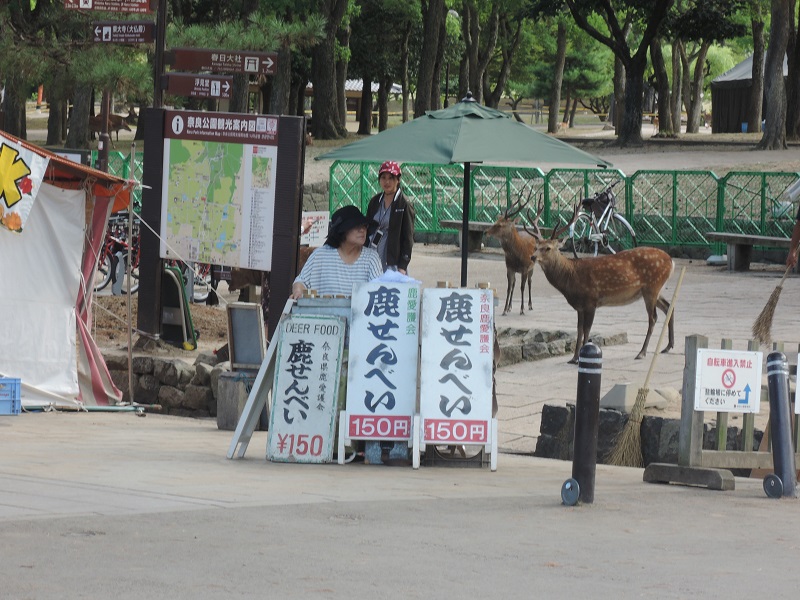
x,y
45,308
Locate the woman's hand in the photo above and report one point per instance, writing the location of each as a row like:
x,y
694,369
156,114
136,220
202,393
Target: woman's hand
x,y
297,291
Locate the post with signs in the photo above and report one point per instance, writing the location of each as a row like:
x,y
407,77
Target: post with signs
x,y
456,373
383,360
306,389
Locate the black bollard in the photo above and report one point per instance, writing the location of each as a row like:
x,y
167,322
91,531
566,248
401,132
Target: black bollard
x,y
780,427
587,415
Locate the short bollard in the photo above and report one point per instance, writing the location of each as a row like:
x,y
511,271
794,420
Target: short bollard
x,y
784,481
587,414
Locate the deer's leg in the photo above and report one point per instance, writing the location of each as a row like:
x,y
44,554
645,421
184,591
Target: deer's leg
x,y
652,316
511,283
585,320
530,285
664,306
522,277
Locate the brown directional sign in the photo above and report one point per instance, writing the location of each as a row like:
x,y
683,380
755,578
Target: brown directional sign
x,y
198,86
222,61
126,6
124,32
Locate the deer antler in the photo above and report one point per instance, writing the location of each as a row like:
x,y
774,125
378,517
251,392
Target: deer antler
x,y
557,231
534,219
510,213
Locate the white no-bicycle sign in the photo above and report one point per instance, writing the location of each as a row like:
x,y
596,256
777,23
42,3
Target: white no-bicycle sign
x,y
728,381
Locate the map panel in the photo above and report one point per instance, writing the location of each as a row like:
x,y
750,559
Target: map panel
x,y
219,203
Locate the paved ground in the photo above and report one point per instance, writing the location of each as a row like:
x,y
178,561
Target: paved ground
x,y
98,505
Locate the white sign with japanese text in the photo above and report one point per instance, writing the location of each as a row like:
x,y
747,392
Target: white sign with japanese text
x,y
728,381
456,359
314,227
383,359
306,389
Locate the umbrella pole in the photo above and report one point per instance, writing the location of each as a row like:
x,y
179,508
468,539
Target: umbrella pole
x,y
465,226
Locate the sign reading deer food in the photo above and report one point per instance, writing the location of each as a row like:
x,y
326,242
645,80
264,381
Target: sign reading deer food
x,y
218,202
728,381
306,389
382,370
456,359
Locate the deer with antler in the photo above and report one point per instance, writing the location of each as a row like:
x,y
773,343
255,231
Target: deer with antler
x,y
610,280
518,252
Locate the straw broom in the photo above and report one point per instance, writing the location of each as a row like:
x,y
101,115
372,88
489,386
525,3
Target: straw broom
x,y
627,451
762,326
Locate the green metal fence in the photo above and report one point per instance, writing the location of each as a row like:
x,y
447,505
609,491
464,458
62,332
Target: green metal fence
x,y
665,208
119,164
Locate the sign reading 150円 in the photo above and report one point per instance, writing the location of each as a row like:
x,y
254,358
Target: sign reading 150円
x,y
728,381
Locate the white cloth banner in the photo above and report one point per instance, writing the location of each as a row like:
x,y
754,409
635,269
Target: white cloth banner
x,y
40,275
21,175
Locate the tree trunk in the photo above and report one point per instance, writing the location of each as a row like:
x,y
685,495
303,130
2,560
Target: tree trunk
x,y
55,122
508,53
404,78
240,94
341,79
384,88
696,97
78,134
281,88
662,86
14,108
478,74
756,100
558,77
619,93
433,12
325,105
774,137
630,131
436,84
793,85
365,112
470,32
677,87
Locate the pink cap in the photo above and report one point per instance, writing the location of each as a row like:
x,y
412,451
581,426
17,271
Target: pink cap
x,y
390,167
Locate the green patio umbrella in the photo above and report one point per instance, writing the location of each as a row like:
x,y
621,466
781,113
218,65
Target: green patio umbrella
x,y
467,133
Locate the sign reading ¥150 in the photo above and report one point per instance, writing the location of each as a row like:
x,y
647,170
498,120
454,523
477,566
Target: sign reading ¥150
x,y
218,201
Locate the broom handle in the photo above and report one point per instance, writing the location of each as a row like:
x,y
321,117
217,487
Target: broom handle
x,y
664,328
786,272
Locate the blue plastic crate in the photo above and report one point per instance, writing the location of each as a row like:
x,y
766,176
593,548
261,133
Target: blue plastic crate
x,y
9,396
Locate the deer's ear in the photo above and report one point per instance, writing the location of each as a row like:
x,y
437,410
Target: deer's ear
x,y
561,243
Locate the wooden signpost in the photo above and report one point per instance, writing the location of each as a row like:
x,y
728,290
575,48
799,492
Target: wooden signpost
x,y
126,6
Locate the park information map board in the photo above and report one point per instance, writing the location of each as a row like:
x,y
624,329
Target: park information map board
x,y
218,203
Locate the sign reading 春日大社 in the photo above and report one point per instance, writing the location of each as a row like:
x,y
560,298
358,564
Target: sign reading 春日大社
x,y
728,381
218,188
456,359
382,363
306,389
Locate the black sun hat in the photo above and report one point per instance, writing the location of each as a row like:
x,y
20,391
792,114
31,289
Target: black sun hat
x,y
345,219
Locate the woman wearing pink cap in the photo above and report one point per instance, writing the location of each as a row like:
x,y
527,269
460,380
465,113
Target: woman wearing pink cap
x,y
391,217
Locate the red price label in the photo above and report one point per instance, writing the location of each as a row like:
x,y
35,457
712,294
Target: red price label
x,y
384,427
452,431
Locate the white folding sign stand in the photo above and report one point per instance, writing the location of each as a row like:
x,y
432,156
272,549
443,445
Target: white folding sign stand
x,y
382,364
456,375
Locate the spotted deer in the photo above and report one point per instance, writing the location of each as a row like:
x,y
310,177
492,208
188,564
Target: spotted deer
x,y
608,280
518,252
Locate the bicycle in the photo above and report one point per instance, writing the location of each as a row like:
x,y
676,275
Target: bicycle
x,y
600,226
201,285
116,241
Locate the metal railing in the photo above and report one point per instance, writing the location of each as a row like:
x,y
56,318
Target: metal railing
x,y
666,208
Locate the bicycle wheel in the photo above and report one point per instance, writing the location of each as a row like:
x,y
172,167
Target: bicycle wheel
x,y
619,235
102,275
580,236
202,282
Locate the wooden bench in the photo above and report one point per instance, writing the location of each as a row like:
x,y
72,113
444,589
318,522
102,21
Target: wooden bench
x,y
740,246
475,232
